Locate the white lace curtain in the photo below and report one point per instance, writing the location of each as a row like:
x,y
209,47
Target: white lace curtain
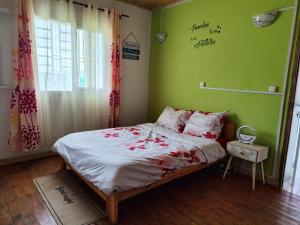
x,y
73,66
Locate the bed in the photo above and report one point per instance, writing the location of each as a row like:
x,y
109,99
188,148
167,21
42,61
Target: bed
x,y
122,162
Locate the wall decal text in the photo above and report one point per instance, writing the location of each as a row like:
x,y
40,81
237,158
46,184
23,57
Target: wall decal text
x,y
196,27
204,34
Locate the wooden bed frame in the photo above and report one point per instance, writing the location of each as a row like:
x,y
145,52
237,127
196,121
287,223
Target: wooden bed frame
x,y
112,200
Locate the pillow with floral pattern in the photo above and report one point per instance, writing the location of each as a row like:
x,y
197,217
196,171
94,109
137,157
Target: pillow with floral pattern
x,y
205,124
174,119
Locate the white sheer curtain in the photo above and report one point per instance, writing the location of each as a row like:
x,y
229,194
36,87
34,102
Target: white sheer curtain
x,y
72,49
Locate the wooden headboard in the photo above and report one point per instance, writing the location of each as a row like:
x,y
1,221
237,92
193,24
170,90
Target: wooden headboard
x,y
228,131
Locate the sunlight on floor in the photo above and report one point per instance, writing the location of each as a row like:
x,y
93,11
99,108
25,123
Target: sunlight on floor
x,y
296,189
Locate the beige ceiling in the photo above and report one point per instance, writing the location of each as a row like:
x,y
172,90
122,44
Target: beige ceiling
x,y
150,4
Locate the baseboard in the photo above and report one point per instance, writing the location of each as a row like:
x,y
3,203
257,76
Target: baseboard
x,y
269,180
19,159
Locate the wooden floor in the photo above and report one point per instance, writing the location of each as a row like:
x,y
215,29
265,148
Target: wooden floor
x,y
201,198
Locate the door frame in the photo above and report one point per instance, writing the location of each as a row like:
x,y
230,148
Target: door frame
x,y
290,106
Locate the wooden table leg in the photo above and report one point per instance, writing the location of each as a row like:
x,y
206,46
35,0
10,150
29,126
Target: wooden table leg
x,y
227,167
253,175
236,165
262,171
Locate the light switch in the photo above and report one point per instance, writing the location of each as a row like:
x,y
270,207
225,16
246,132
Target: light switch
x,y
202,84
273,89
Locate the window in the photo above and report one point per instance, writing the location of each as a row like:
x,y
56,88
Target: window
x,y
60,67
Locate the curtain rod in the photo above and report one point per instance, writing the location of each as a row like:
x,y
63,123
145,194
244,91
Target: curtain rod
x,y
101,9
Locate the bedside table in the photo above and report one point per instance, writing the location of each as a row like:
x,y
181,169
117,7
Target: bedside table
x,y
253,153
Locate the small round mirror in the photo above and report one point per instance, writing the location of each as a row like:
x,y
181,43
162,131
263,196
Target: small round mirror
x,y
246,134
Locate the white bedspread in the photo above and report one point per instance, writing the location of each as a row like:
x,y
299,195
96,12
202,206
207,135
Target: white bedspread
x,y
130,157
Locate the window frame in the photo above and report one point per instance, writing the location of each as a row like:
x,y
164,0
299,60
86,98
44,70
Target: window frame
x,y
100,65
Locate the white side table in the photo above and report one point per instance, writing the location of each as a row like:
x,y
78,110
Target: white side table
x,y
253,153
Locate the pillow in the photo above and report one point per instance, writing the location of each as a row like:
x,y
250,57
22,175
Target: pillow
x,y
174,119
205,124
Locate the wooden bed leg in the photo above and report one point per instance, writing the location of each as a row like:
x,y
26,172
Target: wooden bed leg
x,y
112,208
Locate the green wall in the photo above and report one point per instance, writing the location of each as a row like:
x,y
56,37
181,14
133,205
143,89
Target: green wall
x,y
244,57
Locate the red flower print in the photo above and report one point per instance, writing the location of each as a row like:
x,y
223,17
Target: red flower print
x,y
115,76
142,147
222,120
115,54
114,98
119,128
132,129
24,130
186,155
191,156
194,158
181,128
157,140
27,101
144,140
210,135
30,136
132,148
14,95
24,18
164,145
108,135
24,44
176,154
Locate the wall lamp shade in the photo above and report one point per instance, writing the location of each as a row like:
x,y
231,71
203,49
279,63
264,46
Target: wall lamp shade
x,y
161,37
264,19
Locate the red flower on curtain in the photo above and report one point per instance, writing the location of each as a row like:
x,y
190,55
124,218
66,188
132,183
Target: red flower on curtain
x,y
114,98
115,77
24,132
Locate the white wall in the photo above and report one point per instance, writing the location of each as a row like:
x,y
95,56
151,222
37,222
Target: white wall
x,y
134,94
134,106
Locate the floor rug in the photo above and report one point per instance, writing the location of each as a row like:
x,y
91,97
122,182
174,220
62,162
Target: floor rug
x,y
67,202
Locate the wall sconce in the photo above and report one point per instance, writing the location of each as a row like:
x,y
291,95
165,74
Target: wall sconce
x,y
264,19
161,36
267,18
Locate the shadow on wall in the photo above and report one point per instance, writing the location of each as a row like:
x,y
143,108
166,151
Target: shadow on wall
x,y
233,118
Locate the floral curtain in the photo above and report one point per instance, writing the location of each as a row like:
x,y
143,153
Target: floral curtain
x,y
24,131
115,79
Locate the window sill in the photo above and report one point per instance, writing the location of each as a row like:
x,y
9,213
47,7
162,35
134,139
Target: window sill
x,y
5,87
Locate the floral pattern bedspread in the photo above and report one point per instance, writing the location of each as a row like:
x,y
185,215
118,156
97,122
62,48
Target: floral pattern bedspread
x,y
120,159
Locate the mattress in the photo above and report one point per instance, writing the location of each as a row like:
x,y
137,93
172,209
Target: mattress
x,y
123,158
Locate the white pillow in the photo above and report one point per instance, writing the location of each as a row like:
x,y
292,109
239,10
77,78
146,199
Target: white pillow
x,y
205,124
173,119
